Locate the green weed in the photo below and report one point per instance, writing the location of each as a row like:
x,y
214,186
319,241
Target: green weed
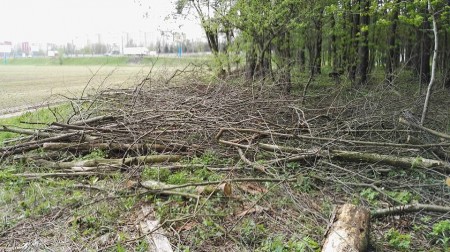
x,y
34,120
155,173
404,197
251,233
370,195
95,154
398,240
279,244
441,233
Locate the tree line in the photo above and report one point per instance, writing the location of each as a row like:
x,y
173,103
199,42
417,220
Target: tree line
x,y
279,38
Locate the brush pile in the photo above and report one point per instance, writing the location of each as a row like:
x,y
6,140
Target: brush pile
x,y
347,147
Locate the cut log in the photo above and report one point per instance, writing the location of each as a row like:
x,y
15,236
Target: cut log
x,y
32,145
94,119
35,132
155,235
40,133
106,162
110,146
349,230
410,209
403,162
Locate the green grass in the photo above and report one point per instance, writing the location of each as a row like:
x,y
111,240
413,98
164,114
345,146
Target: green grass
x,y
34,119
109,61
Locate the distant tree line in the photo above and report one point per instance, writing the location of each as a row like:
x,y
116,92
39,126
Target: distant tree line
x,y
353,37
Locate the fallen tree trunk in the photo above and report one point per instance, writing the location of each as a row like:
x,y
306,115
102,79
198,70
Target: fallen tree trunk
x,y
110,146
40,133
403,162
94,119
433,132
31,176
109,162
410,209
324,139
348,230
35,132
32,145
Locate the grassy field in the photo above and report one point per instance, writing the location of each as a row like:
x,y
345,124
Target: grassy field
x,y
29,82
109,61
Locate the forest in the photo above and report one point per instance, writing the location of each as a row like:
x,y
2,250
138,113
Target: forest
x,y
351,38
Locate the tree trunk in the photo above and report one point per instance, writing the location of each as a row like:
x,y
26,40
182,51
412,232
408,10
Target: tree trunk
x,y
392,47
301,58
333,52
446,61
250,63
363,66
433,66
425,71
317,65
355,16
283,50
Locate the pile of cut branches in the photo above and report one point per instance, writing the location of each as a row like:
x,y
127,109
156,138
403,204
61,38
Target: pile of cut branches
x,y
353,145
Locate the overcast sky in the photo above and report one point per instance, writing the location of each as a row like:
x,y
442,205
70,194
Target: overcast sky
x,y
61,21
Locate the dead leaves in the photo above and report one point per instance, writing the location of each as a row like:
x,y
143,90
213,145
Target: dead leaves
x,y
254,209
252,188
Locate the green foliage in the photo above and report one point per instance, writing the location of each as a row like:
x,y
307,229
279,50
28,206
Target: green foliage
x,y
304,184
441,233
204,174
207,158
155,173
398,240
404,197
370,195
251,233
417,162
95,154
178,178
34,119
279,244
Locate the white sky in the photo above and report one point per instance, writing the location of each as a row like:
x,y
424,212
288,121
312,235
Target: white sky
x,y
61,21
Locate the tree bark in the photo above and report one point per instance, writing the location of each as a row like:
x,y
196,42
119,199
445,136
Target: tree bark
x,y
333,52
433,66
317,62
110,146
349,230
363,66
392,47
106,162
425,46
355,19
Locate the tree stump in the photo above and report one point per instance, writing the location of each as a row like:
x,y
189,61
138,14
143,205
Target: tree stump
x,y
348,230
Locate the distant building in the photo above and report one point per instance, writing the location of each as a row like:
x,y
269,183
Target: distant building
x,y
5,50
6,47
52,53
135,51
